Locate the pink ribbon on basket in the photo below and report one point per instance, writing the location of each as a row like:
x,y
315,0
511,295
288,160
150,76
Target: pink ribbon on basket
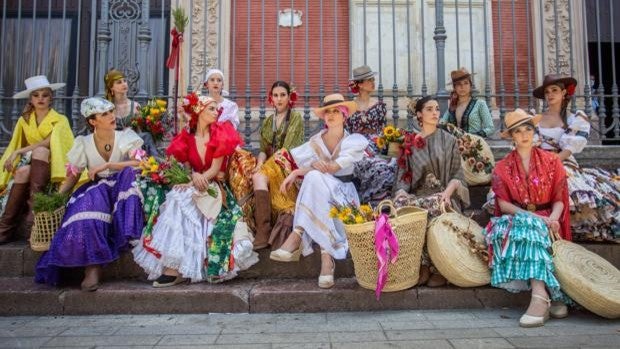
x,y
386,248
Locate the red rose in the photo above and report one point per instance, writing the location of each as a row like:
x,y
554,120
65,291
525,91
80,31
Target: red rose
x,y
419,142
570,89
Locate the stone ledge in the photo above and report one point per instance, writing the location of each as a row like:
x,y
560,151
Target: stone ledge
x,y
21,296
18,260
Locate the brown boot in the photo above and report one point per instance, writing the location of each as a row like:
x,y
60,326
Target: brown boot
x,y
14,207
262,218
39,178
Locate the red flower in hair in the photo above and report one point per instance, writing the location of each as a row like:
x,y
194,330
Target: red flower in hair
x,y
189,102
570,90
353,86
220,110
270,100
292,98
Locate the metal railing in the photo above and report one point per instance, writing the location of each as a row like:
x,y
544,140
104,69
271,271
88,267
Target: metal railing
x,y
413,45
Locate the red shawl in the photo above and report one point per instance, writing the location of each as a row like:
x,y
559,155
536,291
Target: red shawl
x,y
545,184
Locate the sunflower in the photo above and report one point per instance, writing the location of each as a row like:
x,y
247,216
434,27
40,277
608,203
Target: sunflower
x,y
333,212
380,142
389,130
359,219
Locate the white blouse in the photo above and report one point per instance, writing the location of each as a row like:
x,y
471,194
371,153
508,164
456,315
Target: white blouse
x,y
229,112
574,138
350,150
84,153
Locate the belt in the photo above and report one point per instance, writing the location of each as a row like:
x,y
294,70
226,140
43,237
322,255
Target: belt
x,y
346,178
534,207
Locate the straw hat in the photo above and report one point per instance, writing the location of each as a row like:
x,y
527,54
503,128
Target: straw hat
x,y
458,75
36,83
552,79
362,73
209,206
335,100
517,118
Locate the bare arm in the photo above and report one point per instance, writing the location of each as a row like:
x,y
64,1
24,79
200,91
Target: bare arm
x,y
69,183
564,154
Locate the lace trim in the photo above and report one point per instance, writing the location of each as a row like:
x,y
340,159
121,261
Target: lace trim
x,y
105,217
124,195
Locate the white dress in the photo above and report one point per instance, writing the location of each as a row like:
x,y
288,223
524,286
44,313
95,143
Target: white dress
x,y
84,152
319,190
593,194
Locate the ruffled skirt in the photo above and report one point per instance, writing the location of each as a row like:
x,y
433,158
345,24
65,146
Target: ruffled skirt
x,y
375,178
520,247
100,219
184,240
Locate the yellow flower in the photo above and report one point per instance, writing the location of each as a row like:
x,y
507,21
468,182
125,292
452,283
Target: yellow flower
x,y
359,219
380,142
161,103
347,211
365,209
389,130
397,133
155,112
343,217
152,160
333,212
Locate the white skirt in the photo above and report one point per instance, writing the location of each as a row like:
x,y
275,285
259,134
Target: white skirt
x,y
317,193
180,236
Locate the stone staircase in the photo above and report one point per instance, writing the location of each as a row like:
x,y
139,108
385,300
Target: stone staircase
x,y
266,287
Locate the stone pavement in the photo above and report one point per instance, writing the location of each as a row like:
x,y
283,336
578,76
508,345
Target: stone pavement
x,y
480,328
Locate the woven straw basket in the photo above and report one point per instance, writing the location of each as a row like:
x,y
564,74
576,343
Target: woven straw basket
x,y
479,178
451,254
409,225
44,228
587,278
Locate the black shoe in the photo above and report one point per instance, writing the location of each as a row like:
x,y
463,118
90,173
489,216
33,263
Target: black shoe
x,y
168,280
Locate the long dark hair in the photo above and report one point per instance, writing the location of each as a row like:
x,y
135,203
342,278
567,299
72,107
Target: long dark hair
x,y
287,87
564,106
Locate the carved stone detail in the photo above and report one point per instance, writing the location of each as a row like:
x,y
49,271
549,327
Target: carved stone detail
x,y
557,37
203,40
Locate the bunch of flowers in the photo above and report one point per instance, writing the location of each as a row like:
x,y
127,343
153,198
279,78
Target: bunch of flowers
x,y
470,149
167,172
153,118
390,134
351,213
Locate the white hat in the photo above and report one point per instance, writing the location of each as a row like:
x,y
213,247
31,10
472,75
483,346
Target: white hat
x,y
36,83
95,105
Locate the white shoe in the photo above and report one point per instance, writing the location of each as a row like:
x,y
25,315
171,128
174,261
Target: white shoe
x,y
282,255
558,310
327,281
535,321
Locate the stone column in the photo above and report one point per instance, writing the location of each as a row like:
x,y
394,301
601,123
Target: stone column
x,y
104,36
144,40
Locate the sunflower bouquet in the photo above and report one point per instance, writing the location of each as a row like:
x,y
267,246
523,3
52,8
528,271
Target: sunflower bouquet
x,y
351,213
153,118
390,134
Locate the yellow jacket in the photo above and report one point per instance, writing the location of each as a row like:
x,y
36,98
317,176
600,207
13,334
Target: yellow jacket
x,y
28,133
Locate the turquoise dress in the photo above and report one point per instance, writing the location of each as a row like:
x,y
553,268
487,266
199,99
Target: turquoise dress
x,y
476,118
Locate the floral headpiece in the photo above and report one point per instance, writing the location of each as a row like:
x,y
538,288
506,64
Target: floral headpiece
x,y
353,86
194,104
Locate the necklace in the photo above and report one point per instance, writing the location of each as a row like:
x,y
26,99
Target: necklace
x,y
107,147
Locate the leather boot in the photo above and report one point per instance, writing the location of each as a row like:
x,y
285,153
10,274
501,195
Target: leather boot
x,y
262,218
14,207
39,178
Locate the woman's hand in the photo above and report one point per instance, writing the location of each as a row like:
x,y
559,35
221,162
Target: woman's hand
x,y
259,164
287,183
92,173
445,198
8,164
321,166
551,223
200,182
182,187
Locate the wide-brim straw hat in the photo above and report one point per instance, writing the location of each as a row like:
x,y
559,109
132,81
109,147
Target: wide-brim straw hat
x,y
334,100
36,83
362,73
517,118
553,79
208,205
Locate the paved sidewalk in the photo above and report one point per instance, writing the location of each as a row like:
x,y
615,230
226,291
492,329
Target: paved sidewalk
x,y
397,329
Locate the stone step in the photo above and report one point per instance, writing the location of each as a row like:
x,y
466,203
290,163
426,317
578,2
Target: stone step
x,y
18,260
21,296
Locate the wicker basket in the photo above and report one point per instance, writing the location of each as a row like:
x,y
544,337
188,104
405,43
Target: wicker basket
x,y
409,225
44,228
587,278
393,150
451,253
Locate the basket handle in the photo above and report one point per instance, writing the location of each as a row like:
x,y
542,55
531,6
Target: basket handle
x,y
388,203
442,206
554,235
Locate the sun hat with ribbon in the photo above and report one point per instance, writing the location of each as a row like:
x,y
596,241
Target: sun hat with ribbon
x,y
334,100
517,118
36,83
95,105
569,83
